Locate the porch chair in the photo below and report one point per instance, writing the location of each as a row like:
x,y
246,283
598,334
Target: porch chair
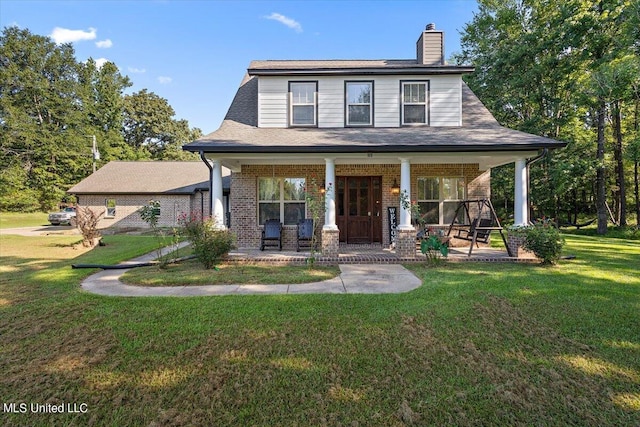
x,y
305,234
271,234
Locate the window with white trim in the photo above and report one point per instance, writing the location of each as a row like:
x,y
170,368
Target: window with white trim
x,y
110,205
438,198
303,102
414,109
359,103
282,199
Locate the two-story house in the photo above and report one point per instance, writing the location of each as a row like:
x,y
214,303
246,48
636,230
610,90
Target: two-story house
x,y
373,131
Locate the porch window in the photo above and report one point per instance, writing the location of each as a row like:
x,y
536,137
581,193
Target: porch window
x,y
282,199
414,109
438,198
110,205
359,103
303,101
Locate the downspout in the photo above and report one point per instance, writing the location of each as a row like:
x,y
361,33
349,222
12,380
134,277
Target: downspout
x,y
206,162
545,151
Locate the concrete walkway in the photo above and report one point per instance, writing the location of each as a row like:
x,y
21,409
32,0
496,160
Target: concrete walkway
x,y
353,279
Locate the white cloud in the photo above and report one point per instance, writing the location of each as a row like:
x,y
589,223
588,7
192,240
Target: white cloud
x,y
100,62
64,35
104,44
164,80
136,70
291,23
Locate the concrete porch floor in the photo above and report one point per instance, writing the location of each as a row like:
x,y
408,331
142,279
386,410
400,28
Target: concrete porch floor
x,y
369,254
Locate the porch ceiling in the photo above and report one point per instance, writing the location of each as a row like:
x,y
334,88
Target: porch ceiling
x,y
485,160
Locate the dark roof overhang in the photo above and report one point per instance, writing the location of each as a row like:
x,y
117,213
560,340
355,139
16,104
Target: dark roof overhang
x,y
430,70
230,148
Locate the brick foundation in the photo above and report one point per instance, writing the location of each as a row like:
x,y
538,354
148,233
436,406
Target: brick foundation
x,y
406,244
516,249
330,243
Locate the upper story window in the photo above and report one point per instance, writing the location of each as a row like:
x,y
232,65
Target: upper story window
x,y
303,101
359,103
414,103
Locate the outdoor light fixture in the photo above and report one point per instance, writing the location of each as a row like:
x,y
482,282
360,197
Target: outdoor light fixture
x,y
395,188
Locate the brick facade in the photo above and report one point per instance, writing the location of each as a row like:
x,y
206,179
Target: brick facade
x,y
244,194
171,206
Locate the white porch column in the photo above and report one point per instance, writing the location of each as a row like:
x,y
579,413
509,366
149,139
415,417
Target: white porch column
x,y
217,207
330,194
520,208
405,194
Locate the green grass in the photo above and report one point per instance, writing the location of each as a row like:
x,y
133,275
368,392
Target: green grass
x,y
19,219
629,232
191,272
477,344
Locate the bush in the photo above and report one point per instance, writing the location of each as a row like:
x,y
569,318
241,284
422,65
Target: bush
x,y
433,249
543,239
87,222
209,244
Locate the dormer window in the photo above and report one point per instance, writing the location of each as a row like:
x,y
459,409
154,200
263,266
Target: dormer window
x,y
303,101
414,103
359,103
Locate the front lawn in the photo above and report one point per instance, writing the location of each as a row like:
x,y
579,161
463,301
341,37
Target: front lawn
x,y
20,219
191,272
477,344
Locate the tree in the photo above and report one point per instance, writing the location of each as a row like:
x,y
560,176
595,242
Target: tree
x,y
102,99
560,69
38,90
52,106
149,127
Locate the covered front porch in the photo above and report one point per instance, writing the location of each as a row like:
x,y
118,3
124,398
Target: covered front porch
x,y
371,254
367,197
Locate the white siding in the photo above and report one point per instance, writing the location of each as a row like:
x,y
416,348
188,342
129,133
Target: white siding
x,y
331,102
387,101
272,102
445,100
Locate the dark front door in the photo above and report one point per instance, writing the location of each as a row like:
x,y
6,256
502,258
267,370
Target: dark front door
x,y
359,200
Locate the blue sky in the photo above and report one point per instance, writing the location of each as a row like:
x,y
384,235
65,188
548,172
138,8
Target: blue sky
x,y
195,53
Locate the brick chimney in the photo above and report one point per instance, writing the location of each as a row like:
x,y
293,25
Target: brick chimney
x,y
430,46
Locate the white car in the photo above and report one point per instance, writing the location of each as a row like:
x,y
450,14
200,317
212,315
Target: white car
x,y
65,216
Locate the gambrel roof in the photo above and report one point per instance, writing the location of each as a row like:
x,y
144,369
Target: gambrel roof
x,y
239,132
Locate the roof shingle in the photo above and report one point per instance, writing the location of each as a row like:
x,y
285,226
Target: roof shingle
x,y
121,177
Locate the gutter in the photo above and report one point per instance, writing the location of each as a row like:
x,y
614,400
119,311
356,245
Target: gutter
x,y
545,151
206,162
341,149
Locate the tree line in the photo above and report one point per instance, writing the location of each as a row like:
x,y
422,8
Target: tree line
x,y
52,107
567,70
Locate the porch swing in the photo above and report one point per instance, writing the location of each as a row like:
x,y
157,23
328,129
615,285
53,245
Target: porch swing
x,y
479,229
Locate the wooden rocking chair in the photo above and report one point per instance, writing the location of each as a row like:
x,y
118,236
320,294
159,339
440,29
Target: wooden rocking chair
x,y
271,234
305,234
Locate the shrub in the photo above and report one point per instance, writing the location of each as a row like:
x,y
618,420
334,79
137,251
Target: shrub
x,y
543,239
434,250
209,244
151,215
87,222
